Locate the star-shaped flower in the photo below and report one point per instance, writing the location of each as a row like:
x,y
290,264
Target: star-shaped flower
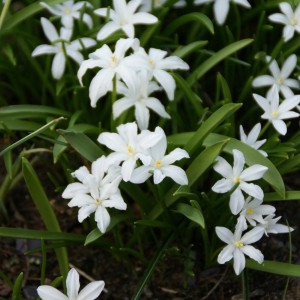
x,y
221,7
276,112
270,225
280,77
68,11
238,246
289,18
59,43
147,4
236,175
123,16
136,93
90,292
161,164
251,139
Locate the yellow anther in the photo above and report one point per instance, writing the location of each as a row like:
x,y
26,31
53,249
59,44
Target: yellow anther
x,y
67,10
113,58
130,150
98,201
294,21
237,179
239,244
250,211
280,80
275,113
150,62
158,163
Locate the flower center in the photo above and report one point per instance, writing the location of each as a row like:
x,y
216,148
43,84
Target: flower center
x,y
294,21
67,10
250,211
158,163
237,179
130,150
275,113
98,201
280,80
239,244
150,62
114,58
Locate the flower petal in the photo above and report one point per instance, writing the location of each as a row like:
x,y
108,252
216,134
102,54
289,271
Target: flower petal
x,y
72,284
47,292
253,235
252,190
225,235
166,81
238,162
280,126
107,30
102,218
226,254
176,173
239,261
221,8
254,172
49,30
73,189
141,174
237,201
223,167
58,65
44,49
91,291
263,80
223,186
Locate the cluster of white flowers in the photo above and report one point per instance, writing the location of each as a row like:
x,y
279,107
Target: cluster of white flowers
x,y
259,216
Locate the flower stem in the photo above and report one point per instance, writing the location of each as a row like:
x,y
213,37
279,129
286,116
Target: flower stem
x,y
264,129
245,285
4,12
113,100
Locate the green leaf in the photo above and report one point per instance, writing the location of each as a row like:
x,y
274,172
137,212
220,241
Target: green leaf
x,y
20,233
83,144
289,195
275,267
31,135
45,210
216,58
224,87
252,156
8,164
191,17
195,141
25,13
191,213
16,295
183,51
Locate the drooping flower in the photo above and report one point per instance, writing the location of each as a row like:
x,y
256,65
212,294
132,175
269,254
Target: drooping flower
x,y
280,77
221,8
270,225
276,112
251,139
238,246
136,94
90,292
253,212
111,64
236,175
61,45
97,191
124,17
129,146
156,63
146,5
68,11
289,18
161,164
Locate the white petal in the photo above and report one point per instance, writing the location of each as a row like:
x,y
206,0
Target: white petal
x,y
226,254
253,173
47,292
157,107
273,67
107,30
223,167
222,186
176,173
149,139
279,18
224,235
175,155
51,9
83,43
73,189
143,18
221,8
239,261
141,174
292,83
58,65
253,253
44,49
86,64
121,105
142,115
112,141
289,104
166,81
252,190
289,115
128,30
288,66
262,102
86,211
102,218
280,228
263,80
172,63
49,30
67,21
158,176
75,55
81,200
87,20
116,201
253,235
72,284
237,201
127,168
288,32
254,133
280,126
238,162
91,291
286,9
244,3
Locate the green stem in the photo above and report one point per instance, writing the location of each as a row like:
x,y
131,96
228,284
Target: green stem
x,y
113,100
264,129
245,284
4,12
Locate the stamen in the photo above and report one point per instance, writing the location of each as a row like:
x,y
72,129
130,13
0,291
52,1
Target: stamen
x,y
239,244
158,163
250,211
237,179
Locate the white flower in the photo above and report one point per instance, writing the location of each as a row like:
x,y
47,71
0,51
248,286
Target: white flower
x,y
221,7
97,192
251,139
69,11
290,19
161,164
236,175
129,146
110,64
124,17
238,246
90,292
156,63
57,47
253,211
280,77
147,4
275,112
270,225
137,94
